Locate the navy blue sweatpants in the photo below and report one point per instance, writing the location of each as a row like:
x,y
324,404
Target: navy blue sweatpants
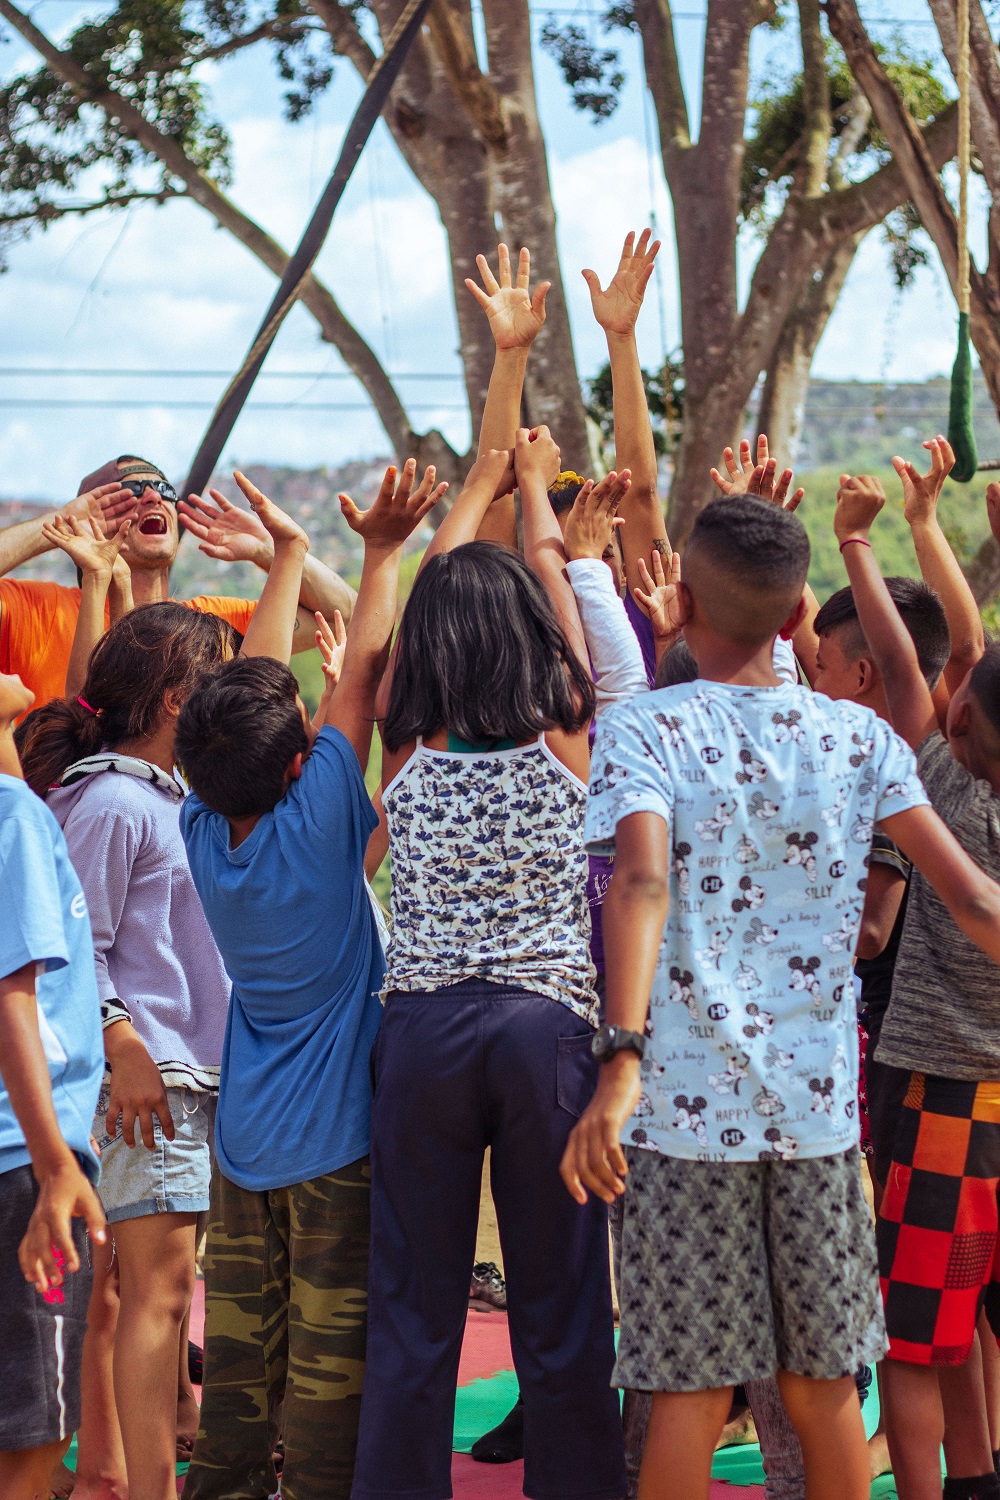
x,y
457,1070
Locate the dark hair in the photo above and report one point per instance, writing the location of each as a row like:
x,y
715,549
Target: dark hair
x,y
480,651
237,734
762,553
920,610
153,650
563,493
676,666
984,682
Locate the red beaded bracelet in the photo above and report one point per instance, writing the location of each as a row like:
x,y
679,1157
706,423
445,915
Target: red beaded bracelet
x,y
858,539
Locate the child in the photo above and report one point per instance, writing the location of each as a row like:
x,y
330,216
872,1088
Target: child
x,y
105,762
490,1009
774,790
937,1229
276,833
51,1062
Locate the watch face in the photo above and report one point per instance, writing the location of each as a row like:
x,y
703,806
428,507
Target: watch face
x,y
601,1044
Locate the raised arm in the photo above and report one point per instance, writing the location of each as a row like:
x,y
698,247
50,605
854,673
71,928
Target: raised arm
x,y
515,317
384,529
938,564
611,641
911,708
536,464
617,310
972,898
487,482
272,624
96,556
228,533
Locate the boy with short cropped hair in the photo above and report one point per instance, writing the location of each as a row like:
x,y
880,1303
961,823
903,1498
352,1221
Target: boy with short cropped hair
x,y
51,1066
775,790
276,832
939,1249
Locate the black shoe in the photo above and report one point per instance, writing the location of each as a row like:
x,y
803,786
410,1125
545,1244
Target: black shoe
x,y
505,1443
195,1363
487,1291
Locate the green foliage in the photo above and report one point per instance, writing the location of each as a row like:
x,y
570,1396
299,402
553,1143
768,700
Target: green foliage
x,y
664,396
149,51
592,73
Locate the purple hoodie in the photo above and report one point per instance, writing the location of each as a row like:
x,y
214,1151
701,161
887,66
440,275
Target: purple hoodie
x,y
154,952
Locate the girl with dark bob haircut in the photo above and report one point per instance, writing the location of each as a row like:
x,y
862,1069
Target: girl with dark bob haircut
x,y
490,1005
481,651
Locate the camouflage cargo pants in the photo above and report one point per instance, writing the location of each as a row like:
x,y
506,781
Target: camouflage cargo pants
x,y
286,1312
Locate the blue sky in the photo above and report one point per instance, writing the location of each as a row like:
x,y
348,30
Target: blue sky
x,y
162,288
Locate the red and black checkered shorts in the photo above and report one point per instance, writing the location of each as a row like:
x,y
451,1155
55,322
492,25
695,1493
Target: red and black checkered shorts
x,y
939,1259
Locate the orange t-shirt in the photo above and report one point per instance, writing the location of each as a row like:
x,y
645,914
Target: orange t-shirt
x,y
38,622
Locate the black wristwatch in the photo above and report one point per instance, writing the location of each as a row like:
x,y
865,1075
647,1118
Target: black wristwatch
x,y
610,1040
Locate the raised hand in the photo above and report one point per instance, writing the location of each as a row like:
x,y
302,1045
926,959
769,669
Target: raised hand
x,y
332,643
591,524
921,492
224,530
279,526
660,594
617,307
85,542
47,1252
495,466
398,508
738,475
515,315
536,455
106,506
859,500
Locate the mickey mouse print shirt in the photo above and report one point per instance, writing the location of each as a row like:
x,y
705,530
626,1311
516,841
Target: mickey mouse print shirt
x,y
770,795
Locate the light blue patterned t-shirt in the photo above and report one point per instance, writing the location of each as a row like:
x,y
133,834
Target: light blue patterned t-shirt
x,y
770,795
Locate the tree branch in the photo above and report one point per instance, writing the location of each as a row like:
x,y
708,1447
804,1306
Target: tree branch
x,y
458,58
46,213
285,27
815,99
335,326
909,149
663,74
346,34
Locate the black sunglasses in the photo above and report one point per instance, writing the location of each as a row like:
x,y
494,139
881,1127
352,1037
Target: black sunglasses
x,y
138,487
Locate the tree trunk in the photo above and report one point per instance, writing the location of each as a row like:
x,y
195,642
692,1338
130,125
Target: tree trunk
x,y
786,386
524,200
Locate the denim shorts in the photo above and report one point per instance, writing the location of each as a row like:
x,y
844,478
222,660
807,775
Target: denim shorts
x,y
173,1177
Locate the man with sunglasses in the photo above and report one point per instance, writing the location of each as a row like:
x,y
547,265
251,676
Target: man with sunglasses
x,y
38,620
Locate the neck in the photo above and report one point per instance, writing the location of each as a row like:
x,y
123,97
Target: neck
x,y
9,763
150,585
157,748
726,661
242,828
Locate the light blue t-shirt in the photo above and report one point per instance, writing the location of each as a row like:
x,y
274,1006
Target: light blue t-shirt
x,y
44,921
290,914
770,795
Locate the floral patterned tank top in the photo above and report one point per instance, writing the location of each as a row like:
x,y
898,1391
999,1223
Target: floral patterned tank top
x,y
489,877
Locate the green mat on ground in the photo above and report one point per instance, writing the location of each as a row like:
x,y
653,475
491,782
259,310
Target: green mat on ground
x,y
70,1461
481,1406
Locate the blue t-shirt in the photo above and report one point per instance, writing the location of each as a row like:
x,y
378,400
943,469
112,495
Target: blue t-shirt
x,y
290,914
44,921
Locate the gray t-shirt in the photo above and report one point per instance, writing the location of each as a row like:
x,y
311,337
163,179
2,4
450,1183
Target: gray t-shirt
x,y
944,1015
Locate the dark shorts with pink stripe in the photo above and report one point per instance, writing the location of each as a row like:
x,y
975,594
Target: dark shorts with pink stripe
x,y
937,1233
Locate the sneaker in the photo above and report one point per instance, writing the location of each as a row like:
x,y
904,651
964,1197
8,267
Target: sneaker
x,y
488,1291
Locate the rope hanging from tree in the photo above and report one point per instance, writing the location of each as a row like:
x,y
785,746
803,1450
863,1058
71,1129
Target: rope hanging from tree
x,y
960,429
380,80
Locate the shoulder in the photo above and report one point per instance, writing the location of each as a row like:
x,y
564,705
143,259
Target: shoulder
x,y
237,611
333,754
38,596
24,814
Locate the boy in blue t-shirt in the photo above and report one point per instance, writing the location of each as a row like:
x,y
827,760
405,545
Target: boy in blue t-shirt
x,y
740,811
276,834
51,1066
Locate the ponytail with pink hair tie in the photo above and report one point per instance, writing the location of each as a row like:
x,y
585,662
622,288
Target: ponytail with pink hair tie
x,y
84,704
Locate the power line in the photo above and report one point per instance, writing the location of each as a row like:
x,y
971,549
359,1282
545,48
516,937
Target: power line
x,y
152,404
105,374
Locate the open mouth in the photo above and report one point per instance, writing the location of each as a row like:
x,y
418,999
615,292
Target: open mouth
x,y
153,526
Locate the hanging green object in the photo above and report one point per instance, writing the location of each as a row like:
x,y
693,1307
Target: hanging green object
x,y
961,434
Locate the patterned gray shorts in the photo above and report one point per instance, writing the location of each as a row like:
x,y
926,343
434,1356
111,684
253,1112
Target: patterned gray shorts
x,y
731,1270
